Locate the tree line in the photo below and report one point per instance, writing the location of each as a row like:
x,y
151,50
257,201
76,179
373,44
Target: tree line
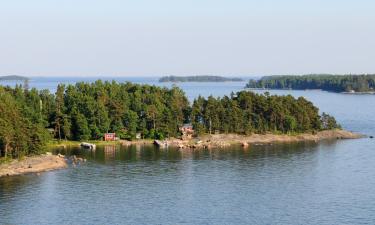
x,y
23,121
334,83
86,111
199,78
247,112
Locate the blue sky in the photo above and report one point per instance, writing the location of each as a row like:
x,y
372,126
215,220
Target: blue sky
x,y
181,37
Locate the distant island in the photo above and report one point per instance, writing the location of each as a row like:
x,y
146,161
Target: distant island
x,y
13,77
199,78
326,82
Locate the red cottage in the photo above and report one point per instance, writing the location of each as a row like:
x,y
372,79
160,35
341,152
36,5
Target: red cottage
x,y
109,137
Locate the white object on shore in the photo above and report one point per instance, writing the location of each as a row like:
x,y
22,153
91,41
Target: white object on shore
x,y
88,145
163,144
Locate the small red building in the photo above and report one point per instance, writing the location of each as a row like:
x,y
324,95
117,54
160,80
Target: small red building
x,y
109,136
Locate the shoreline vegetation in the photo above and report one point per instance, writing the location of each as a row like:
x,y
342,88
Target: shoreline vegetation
x,y
225,140
48,162
31,119
346,84
199,78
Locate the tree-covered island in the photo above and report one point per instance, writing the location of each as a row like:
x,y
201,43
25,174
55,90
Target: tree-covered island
x,y
333,83
85,111
13,77
199,78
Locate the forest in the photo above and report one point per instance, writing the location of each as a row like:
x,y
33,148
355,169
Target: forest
x,y
333,83
85,111
247,112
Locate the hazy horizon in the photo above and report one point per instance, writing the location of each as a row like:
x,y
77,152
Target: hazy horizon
x,y
157,38
130,76
156,76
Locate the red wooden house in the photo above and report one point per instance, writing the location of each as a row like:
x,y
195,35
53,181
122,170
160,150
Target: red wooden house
x,y
109,136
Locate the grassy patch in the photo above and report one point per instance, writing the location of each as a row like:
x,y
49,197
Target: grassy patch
x,y
57,143
4,160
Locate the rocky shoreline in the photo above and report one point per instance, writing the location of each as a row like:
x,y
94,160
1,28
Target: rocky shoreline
x,y
34,164
47,162
226,140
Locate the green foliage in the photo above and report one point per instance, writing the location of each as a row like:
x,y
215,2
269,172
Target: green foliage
x,y
290,123
125,109
130,121
85,111
81,129
247,112
334,83
22,122
329,122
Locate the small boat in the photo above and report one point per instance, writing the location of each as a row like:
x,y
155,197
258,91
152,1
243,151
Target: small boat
x,y
88,145
161,144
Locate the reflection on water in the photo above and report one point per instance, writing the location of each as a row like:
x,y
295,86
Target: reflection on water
x,y
299,183
113,153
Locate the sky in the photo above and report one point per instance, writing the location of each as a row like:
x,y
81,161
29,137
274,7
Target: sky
x,y
186,37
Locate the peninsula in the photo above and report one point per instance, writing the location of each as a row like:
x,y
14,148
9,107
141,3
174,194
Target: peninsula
x,y
326,82
199,78
225,140
34,164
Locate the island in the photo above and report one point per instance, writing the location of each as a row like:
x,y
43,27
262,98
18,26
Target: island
x,y
13,77
326,82
33,119
199,78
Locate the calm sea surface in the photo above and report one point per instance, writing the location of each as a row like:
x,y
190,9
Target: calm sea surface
x,y
327,183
